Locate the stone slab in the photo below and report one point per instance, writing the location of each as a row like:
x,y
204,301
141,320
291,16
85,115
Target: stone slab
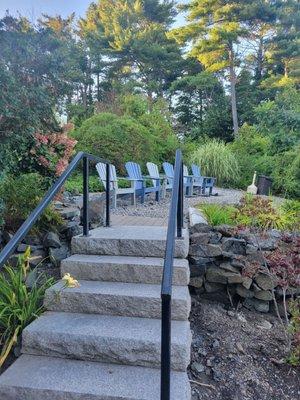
x,y
114,298
47,378
120,340
145,241
123,269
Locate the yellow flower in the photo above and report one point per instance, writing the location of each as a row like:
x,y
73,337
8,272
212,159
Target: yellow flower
x,y
70,282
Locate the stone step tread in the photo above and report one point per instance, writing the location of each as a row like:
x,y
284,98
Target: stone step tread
x,y
49,378
129,240
115,298
122,340
123,268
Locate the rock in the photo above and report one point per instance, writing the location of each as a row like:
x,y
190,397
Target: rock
x,y
265,325
200,261
275,233
51,239
265,282
265,295
240,347
96,210
197,221
6,236
258,305
216,344
196,282
211,287
250,249
267,244
198,367
209,250
216,275
225,230
246,282
243,292
233,278
228,267
32,240
240,264
72,228
235,246
69,212
215,238
199,238
59,254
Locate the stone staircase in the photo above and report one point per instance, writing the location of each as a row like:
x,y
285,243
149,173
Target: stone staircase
x,y
101,341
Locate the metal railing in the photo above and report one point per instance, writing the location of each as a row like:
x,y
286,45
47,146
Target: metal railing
x,y
55,188
175,224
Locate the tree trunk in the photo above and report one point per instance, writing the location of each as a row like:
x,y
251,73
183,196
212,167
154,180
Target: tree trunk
x,y
260,55
233,93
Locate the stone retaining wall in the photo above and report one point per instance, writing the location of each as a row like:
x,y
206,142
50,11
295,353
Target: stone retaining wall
x,y
48,249
227,262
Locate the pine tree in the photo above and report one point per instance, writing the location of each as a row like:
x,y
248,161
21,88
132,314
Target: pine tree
x,y
215,28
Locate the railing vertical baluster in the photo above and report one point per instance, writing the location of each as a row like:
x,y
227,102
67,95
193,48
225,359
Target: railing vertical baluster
x,y
165,348
85,216
107,195
180,204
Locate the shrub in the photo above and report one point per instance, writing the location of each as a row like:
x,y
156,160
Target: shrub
x,y
118,139
217,214
130,133
20,195
19,305
74,184
216,159
261,213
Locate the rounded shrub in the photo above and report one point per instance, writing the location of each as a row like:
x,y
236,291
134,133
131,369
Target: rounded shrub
x,y
116,138
216,159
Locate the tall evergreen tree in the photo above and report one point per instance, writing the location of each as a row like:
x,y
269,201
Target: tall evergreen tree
x,y
215,28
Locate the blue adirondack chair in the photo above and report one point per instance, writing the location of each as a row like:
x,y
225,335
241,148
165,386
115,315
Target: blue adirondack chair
x,y
187,180
203,182
135,174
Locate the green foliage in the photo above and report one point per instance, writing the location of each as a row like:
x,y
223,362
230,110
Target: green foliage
x,y
294,330
128,137
261,213
74,184
216,159
218,214
19,304
20,195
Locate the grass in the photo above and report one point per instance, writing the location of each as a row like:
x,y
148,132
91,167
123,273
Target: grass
x,y
218,214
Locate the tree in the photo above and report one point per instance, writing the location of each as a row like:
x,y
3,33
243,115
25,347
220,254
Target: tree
x,y
200,103
215,29
132,35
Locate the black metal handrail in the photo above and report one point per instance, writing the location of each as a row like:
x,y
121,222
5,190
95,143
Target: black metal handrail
x,y
175,221
36,213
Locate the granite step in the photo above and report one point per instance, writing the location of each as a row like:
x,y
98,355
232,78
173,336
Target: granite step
x,y
49,378
114,298
142,241
123,269
110,339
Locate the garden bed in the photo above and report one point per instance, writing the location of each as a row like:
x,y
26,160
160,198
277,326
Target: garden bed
x,y
239,354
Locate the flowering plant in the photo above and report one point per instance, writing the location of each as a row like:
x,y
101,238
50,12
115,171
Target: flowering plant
x,y
51,152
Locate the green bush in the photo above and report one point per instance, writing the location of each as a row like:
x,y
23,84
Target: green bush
x,y
19,304
218,214
138,135
216,159
20,195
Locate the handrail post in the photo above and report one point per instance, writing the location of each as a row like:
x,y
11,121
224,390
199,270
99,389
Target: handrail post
x,y
165,381
85,215
107,195
180,204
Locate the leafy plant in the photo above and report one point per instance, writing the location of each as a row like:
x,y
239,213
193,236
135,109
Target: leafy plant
x,y
217,214
19,304
216,159
260,212
294,329
20,195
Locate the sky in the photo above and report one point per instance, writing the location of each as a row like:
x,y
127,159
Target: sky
x,y
33,9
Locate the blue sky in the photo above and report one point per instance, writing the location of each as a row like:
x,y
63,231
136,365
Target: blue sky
x,y
33,9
